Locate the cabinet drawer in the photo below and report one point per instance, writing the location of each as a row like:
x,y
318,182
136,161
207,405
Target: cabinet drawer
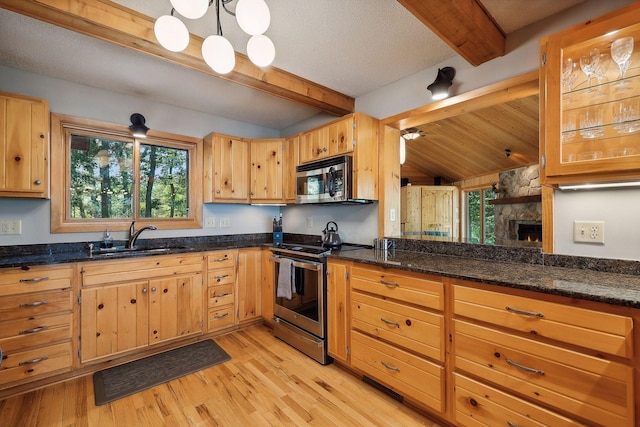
x,y
592,388
220,295
418,289
222,276
36,304
405,373
18,365
18,334
414,329
592,329
477,404
36,279
221,317
221,259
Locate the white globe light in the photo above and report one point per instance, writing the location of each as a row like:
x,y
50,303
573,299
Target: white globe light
x,y
253,16
261,50
218,54
171,33
192,9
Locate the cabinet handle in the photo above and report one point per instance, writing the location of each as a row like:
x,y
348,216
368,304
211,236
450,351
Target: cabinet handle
x,y
32,361
390,322
221,259
153,289
389,367
511,424
390,284
34,330
217,191
144,290
524,312
220,316
37,182
221,277
220,295
34,279
0,356
525,368
33,304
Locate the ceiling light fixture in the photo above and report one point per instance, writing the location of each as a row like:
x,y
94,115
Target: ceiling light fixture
x,y
440,86
412,133
138,128
253,17
403,150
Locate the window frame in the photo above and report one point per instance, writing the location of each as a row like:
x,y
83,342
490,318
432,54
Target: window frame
x,y
467,224
61,222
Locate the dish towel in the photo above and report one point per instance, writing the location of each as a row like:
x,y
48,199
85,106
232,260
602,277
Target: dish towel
x,y
285,278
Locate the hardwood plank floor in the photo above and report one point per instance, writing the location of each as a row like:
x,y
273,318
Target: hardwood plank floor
x,y
266,383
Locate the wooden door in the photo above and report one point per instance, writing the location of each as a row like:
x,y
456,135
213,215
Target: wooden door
x,y
175,307
337,311
231,169
411,210
249,284
429,200
268,286
113,319
267,170
24,154
290,161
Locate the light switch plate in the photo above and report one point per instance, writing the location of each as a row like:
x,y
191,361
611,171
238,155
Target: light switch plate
x,y
588,232
11,227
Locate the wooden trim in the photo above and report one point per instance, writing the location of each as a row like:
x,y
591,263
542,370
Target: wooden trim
x,y
464,25
547,220
114,23
515,200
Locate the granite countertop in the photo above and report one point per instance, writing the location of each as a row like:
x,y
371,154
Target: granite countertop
x,y
606,287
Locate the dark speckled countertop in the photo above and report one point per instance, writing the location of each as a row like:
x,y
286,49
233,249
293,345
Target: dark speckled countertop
x,y
582,283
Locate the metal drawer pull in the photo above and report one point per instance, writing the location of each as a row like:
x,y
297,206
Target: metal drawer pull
x,y
511,424
220,316
389,367
34,330
221,259
34,280
221,277
220,295
33,304
524,312
390,284
32,361
525,368
390,322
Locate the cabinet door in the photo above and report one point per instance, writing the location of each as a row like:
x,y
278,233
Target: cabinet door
x,y
314,145
591,125
175,307
24,147
249,282
113,319
337,311
268,286
231,169
291,159
267,170
341,136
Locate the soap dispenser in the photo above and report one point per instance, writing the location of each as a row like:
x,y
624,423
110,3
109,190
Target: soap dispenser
x,y
107,241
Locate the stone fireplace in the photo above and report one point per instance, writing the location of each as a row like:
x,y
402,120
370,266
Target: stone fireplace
x,y
518,207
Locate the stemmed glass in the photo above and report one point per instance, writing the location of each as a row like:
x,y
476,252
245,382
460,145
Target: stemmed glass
x,y
621,50
589,63
569,76
601,70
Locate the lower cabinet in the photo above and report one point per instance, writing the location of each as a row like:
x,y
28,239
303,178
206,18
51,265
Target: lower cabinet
x,y
268,287
221,289
249,284
161,301
338,321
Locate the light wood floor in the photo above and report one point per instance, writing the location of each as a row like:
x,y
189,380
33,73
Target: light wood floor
x,y
266,383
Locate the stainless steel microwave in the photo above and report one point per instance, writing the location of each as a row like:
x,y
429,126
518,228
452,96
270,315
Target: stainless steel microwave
x,y
326,181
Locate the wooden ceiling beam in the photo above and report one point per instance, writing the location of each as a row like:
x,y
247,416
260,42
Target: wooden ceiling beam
x,y
114,23
464,25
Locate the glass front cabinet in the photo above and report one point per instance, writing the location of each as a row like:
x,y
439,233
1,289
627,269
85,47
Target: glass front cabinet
x,y
590,100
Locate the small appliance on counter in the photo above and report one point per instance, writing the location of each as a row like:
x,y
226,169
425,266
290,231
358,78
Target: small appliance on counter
x,y
330,237
277,231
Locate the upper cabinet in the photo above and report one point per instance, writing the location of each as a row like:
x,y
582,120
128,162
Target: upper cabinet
x,y
267,170
226,169
590,100
24,146
291,159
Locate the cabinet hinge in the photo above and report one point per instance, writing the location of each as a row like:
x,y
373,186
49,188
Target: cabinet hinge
x,y
354,142
346,275
543,161
79,299
202,323
544,59
79,354
348,350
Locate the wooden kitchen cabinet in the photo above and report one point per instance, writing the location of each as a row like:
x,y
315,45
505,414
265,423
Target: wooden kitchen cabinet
x,y
268,286
249,284
267,171
314,144
590,132
574,360
130,304
429,210
226,169
24,146
291,160
221,277
338,320
36,309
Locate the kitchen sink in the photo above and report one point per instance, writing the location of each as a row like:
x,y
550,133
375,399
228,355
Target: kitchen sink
x,y
121,250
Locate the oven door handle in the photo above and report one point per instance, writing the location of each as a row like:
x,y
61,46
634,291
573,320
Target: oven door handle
x,y
308,265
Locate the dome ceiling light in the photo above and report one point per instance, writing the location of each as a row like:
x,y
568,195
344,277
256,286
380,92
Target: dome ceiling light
x,y
253,17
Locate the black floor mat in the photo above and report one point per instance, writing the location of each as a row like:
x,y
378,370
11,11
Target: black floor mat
x,y
124,380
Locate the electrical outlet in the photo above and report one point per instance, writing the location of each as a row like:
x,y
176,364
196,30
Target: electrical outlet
x,y
210,222
588,231
309,222
392,215
224,222
10,227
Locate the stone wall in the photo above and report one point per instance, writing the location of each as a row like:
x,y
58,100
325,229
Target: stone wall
x,y
517,183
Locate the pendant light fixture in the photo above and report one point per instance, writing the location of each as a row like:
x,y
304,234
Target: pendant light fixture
x,y
138,127
253,17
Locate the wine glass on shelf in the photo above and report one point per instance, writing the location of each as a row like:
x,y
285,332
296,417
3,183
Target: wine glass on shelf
x,y
588,64
569,76
601,70
621,50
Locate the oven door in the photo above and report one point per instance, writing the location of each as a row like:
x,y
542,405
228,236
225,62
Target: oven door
x,y
306,308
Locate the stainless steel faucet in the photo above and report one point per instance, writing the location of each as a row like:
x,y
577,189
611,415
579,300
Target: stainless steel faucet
x,y
133,234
